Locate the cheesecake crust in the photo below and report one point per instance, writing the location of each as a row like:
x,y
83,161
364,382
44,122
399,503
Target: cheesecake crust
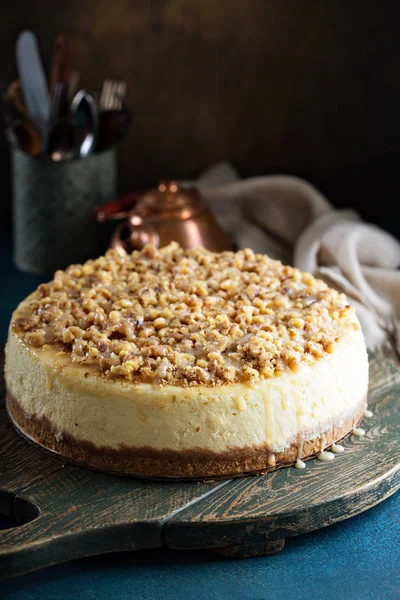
x,y
195,463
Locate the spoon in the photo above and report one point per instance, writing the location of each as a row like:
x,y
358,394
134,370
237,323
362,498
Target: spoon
x,y
84,110
75,135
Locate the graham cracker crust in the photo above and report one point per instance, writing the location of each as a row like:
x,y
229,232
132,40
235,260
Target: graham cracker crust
x,y
166,464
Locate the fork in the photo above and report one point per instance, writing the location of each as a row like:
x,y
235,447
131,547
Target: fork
x,y
112,94
114,114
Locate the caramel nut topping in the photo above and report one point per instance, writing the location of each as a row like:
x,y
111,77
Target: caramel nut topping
x,y
186,317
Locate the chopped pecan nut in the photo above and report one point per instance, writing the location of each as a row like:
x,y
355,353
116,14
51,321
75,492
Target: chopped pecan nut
x,y
186,317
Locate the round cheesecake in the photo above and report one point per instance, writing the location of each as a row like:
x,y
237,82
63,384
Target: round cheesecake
x,y
185,363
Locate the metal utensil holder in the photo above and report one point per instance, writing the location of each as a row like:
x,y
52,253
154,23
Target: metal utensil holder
x,y
54,206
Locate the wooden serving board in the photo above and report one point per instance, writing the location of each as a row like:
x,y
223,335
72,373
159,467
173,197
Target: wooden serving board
x,y
65,512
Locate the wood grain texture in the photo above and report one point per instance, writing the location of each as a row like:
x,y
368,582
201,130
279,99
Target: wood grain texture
x,y
21,463
383,374
83,512
290,501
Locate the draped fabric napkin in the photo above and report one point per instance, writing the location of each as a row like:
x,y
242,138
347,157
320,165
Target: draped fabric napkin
x,y
290,220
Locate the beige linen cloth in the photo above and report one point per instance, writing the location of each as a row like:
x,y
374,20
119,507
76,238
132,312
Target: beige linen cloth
x,y
290,220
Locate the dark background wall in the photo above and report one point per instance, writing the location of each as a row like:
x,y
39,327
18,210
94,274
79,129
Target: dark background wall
x,y
305,87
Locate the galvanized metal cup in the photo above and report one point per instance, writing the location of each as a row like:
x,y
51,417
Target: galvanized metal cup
x,y
54,209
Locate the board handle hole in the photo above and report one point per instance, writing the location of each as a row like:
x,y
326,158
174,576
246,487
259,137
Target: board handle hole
x,y
16,511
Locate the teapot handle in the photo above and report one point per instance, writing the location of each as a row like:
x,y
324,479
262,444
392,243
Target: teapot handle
x,y
141,232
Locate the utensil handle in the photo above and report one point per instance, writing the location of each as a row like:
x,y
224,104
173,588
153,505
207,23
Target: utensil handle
x,y
113,126
126,118
25,138
14,93
59,101
61,62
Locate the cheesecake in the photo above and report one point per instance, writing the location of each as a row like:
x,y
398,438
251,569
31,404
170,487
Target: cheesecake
x,y
185,363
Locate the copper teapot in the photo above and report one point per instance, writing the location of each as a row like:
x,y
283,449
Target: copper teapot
x,y
162,215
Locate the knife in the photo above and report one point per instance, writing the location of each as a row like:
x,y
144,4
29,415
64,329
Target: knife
x,y
34,84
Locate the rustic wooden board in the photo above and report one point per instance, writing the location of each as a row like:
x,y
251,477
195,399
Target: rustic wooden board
x,y
383,374
293,501
20,464
85,513
68,512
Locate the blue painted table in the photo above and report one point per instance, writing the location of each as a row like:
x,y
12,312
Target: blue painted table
x,y
355,559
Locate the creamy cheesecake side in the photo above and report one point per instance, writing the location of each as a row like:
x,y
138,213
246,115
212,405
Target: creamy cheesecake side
x,y
258,377
269,422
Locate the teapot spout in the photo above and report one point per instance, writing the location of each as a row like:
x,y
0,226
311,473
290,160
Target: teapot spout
x,y
117,209
134,235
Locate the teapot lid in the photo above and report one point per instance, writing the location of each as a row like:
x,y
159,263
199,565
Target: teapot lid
x,y
169,200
